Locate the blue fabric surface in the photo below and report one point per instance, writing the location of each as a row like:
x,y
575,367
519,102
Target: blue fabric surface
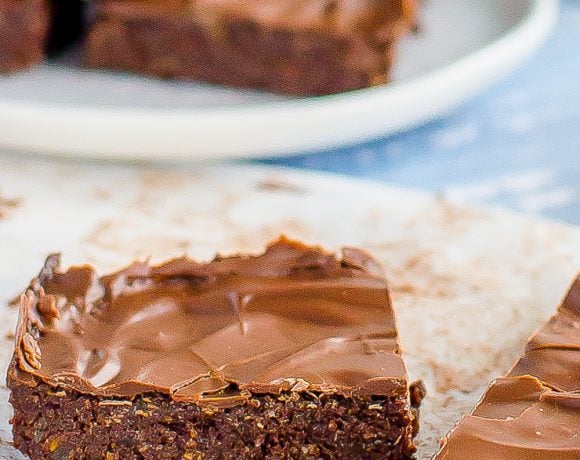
x,y
517,145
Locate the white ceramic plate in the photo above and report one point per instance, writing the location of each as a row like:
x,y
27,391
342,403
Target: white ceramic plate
x,y
465,46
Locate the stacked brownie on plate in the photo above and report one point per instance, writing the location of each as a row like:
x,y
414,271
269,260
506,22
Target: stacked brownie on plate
x,y
300,47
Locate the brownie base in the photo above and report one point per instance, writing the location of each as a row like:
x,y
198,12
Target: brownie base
x,y
243,55
52,423
23,33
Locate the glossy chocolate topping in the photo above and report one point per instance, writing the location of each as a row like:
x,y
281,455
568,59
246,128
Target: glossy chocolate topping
x,y
337,16
519,418
534,412
553,353
292,319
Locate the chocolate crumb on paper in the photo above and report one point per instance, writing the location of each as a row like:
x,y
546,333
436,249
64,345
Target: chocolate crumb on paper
x,y
7,205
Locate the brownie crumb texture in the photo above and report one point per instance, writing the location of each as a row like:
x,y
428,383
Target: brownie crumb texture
x,y
246,56
51,423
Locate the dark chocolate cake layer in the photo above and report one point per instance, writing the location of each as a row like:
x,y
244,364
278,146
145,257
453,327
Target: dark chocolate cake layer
x,y
534,412
303,47
292,354
23,33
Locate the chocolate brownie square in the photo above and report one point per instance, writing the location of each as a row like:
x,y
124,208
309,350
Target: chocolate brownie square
x,y
290,354
305,47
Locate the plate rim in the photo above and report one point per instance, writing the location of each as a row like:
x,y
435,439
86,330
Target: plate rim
x,y
82,123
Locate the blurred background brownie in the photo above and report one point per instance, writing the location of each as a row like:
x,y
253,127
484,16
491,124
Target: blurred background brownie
x,y
303,47
23,33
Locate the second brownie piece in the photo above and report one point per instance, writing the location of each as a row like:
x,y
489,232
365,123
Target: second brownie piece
x,y
291,354
534,411
300,47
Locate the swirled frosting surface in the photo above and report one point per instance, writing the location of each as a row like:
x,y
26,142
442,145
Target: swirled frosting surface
x,y
292,319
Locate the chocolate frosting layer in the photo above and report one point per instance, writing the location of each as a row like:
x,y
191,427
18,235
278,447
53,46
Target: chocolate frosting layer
x,y
293,319
553,352
386,18
534,412
519,418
